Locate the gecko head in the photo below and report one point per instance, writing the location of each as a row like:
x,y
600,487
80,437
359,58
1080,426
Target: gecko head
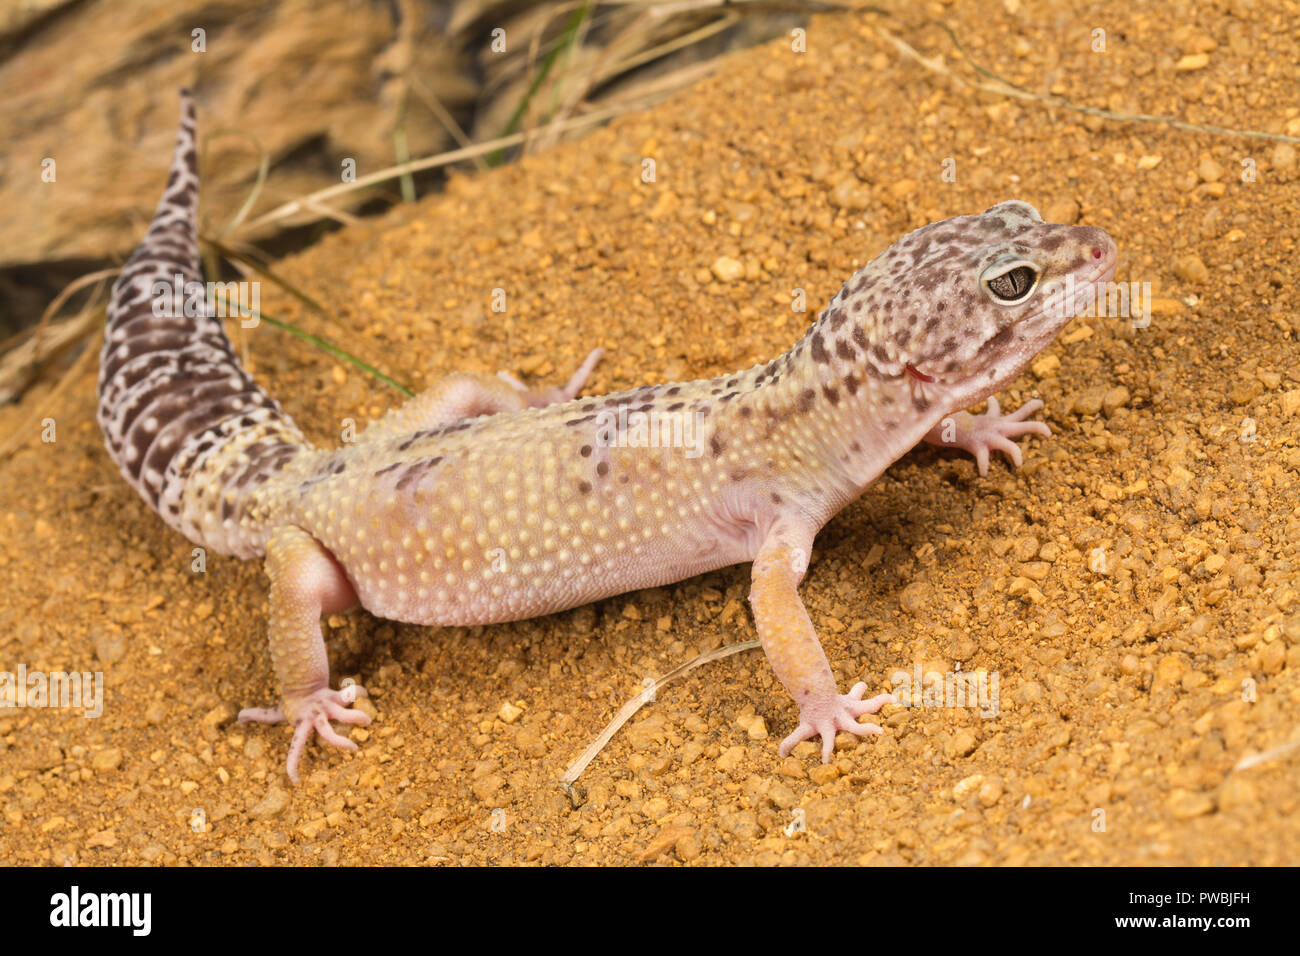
x,y
957,308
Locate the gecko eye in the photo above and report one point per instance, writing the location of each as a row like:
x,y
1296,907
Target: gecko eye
x,y
1011,283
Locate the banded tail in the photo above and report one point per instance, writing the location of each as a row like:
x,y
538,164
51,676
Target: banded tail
x,y
187,426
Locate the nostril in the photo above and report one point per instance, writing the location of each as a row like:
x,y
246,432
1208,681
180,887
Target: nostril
x,y
1096,253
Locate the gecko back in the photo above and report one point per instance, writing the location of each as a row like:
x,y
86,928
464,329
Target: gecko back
x,y
189,428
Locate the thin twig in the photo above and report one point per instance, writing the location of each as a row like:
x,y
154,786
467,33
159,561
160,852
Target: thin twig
x,y
1004,87
640,700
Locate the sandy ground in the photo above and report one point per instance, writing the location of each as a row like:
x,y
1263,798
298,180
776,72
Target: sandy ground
x,y
1133,587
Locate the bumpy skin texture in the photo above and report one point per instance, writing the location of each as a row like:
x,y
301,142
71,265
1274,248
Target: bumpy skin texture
x,y
481,501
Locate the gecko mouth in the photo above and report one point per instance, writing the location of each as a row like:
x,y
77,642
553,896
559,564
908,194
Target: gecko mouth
x,y
1063,300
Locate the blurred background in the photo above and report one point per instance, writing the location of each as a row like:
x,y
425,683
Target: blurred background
x,y
288,92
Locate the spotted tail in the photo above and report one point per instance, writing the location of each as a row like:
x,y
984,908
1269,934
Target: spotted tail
x,y
187,426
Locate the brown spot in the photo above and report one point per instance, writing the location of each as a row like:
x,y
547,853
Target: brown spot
x,y
716,445
860,337
584,487
998,341
831,394
851,383
745,411
819,353
579,421
676,406
845,351
415,472
585,451
806,400
602,468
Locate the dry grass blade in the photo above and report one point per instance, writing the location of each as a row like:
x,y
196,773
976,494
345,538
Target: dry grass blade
x,y
640,700
83,362
26,352
295,206
1254,760
440,112
263,168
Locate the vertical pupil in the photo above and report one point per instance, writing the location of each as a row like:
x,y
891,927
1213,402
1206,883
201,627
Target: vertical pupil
x,y
1012,285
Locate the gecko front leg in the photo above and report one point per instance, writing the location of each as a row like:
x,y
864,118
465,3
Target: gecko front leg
x,y
306,583
790,642
980,434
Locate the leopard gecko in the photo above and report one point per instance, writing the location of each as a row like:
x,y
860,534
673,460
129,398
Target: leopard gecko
x,y
482,500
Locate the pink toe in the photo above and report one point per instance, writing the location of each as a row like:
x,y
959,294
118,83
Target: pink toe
x,y
261,715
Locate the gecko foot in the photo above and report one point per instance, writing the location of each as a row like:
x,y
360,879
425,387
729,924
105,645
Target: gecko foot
x,y
309,712
825,718
546,395
980,434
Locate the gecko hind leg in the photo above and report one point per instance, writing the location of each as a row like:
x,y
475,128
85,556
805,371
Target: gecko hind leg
x,y
538,397
306,583
473,394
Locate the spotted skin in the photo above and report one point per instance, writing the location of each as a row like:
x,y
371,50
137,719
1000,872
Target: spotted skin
x,y
481,501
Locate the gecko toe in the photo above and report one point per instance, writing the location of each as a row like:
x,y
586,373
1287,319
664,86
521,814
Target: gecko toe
x,y
261,715
331,736
860,707
1024,411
